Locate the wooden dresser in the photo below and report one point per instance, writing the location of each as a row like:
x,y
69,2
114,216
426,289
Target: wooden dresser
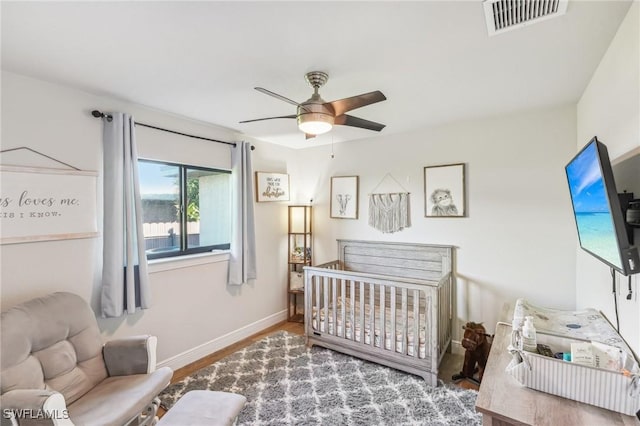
x,y
504,401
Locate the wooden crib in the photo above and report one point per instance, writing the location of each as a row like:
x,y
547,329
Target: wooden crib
x,y
385,302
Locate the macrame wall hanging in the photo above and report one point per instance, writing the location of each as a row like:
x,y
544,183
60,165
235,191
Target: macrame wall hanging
x,y
389,211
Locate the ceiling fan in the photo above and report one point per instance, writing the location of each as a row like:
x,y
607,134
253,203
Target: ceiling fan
x,y
315,116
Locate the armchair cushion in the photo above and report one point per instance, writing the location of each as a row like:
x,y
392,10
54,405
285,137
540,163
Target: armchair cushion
x,y
131,355
118,399
52,342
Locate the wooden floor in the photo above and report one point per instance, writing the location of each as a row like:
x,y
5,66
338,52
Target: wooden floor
x,y
450,365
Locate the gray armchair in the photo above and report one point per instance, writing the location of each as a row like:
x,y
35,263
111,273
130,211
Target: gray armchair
x,y
55,369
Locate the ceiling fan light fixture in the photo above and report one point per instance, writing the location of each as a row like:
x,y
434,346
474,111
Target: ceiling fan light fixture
x,y
315,123
315,116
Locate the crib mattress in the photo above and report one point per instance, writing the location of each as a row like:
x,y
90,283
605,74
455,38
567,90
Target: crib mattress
x,y
352,328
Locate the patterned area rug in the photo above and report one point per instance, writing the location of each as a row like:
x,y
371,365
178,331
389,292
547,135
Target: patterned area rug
x,y
288,384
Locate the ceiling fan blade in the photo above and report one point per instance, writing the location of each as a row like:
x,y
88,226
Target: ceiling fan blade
x,y
275,95
308,136
350,120
269,118
347,104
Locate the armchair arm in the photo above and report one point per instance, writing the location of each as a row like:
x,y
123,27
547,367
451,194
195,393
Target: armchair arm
x,y
130,355
34,406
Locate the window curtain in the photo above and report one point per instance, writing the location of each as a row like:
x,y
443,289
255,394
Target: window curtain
x,y
125,281
242,262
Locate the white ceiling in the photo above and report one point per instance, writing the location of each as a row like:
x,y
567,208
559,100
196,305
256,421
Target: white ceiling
x,y
433,60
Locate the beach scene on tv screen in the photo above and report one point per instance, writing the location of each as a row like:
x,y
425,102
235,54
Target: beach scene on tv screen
x,y
591,207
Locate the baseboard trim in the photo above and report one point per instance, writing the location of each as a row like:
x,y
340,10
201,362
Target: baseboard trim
x,y
456,347
207,348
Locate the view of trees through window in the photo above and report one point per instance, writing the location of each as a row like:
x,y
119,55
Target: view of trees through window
x,y
186,209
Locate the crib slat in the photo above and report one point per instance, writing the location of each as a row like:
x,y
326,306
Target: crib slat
x,y
316,286
361,319
416,323
405,314
325,293
343,311
352,314
393,331
383,319
334,306
372,314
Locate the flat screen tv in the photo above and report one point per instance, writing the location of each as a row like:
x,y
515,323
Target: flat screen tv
x,y
596,208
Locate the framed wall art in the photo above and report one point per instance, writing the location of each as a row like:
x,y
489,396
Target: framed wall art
x,y
272,186
444,191
344,197
43,204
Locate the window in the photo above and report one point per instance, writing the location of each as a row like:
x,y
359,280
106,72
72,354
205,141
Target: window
x,y
185,209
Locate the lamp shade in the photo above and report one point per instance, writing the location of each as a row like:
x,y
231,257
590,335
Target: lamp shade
x,y
299,219
315,123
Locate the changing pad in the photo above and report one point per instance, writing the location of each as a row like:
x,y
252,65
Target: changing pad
x,y
586,324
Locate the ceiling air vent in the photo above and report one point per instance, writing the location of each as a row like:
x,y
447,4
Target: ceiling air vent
x,y
506,15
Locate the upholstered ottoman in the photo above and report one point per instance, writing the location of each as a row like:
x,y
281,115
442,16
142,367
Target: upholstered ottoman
x,y
202,407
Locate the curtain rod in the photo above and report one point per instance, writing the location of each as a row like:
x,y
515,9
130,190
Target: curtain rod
x,y
100,114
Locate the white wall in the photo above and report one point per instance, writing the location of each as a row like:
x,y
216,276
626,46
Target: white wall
x,y
610,109
518,239
193,310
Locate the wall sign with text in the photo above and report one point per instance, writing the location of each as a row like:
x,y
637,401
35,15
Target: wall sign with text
x,y
272,186
41,204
